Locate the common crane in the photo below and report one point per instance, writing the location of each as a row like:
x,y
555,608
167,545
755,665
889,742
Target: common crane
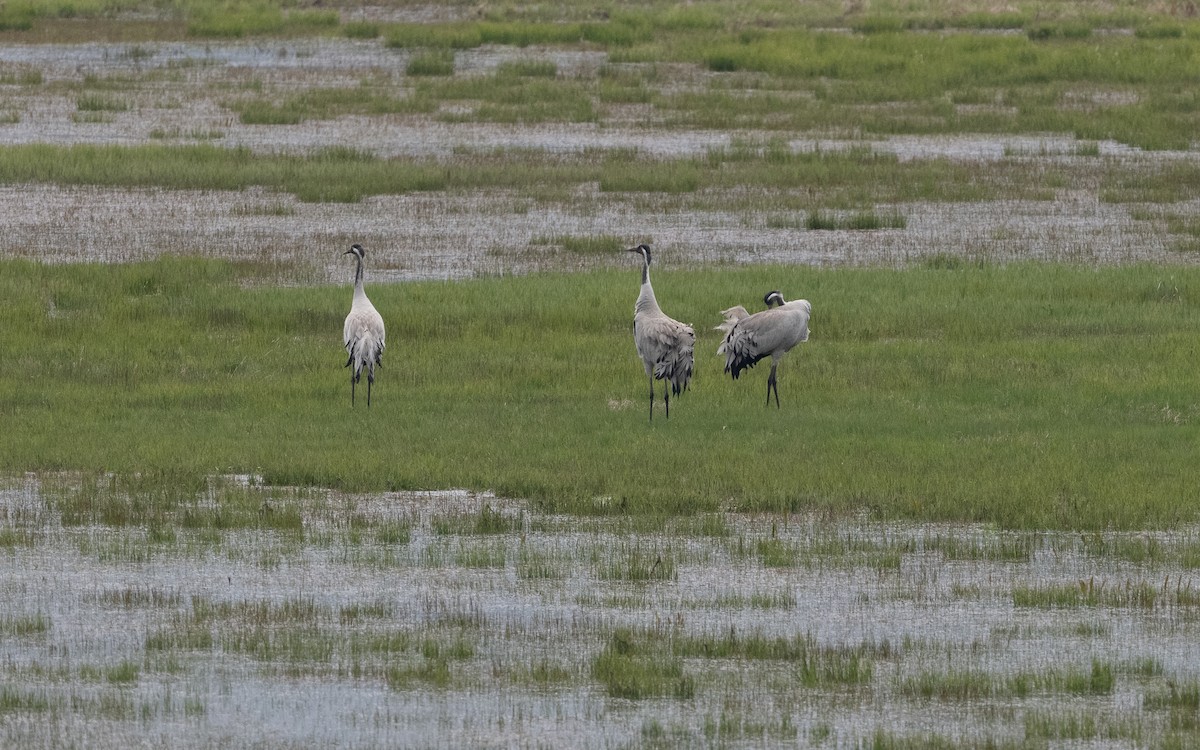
x,y
770,333
665,345
363,331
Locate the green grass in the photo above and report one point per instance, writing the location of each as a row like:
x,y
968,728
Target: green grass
x,y
636,667
814,665
974,685
165,500
1089,594
594,245
319,104
745,178
911,399
432,63
24,625
776,70
861,221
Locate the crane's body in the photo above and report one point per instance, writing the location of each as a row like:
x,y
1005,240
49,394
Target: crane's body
x,y
770,333
363,332
665,346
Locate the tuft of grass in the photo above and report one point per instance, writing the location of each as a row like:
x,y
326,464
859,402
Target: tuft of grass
x,y
814,665
1176,696
430,673
24,625
633,562
15,701
361,29
527,69
486,521
123,672
858,221
1086,593
438,62
100,103
976,685
629,667
600,244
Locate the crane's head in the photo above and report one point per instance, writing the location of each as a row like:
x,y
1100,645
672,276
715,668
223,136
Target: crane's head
x,y
356,250
773,298
644,249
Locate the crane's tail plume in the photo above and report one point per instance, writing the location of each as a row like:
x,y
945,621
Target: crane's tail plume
x,y
732,316
677,363
741,350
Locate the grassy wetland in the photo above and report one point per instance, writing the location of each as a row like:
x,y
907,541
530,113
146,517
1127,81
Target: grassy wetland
x,y
972,523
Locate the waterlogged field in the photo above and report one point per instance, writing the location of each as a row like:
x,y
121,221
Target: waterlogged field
x,y
249,615
973,523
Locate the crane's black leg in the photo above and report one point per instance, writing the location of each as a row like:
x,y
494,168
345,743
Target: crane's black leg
x,y
667,398
370,382
651,399
352,383
772,384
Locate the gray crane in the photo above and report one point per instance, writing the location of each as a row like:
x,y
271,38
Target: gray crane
x,y
363,331
665,345
770,333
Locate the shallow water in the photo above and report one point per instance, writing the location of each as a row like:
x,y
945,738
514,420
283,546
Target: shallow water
x,y
923,599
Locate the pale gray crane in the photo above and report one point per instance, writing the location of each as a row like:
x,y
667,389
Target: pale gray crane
x,y
363,331
770,333
665,345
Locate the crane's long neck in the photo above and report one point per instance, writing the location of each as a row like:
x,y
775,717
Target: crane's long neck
x,y
646,301
358,279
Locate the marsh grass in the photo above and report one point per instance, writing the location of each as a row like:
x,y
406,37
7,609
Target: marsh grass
x,y
636,667
814,665
472,554
140,598
1089,593
24,625
918,409
429,673
511,98
162,501
532,565
123,672
1081,725
582,245
858,221
324,103
635,562
431,63
99,103
487,520
739,178
974,685
1006,548
888,77
528,68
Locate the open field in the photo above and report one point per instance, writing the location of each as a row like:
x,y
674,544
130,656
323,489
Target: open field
x,y
1028,396
972,524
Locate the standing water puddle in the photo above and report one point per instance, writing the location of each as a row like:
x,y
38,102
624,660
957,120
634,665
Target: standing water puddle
x,y
264,616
